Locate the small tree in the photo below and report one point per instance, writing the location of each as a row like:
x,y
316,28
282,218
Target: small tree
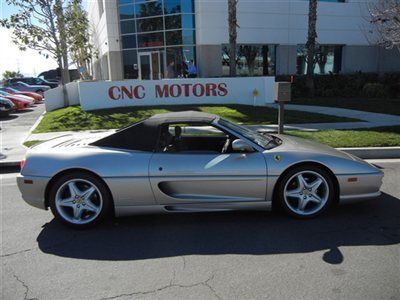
x,y
80,48
250,54
310,45
39,25
11,74
385,15
232,24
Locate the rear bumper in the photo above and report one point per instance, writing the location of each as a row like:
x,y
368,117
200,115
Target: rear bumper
x,y
33,189
366,186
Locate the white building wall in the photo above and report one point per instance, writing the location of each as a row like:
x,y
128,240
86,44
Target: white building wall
x,y
106,39
98,27
282,22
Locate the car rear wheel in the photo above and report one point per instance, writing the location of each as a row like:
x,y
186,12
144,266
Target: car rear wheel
x,y
306,192
79,200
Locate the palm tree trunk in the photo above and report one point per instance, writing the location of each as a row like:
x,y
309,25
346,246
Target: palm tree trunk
x,y
311,38
63,48
232,23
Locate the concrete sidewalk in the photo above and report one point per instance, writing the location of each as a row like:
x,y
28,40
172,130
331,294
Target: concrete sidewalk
x,y
15,129
370,119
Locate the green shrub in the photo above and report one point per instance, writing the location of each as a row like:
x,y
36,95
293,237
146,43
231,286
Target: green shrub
x,y
347,85
375,90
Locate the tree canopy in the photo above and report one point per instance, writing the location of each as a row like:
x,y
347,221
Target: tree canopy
x,y
11,74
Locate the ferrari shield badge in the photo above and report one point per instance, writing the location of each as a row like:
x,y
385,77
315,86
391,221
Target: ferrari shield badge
x,y
277,158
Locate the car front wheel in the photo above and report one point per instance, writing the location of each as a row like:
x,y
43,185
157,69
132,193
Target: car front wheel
x,y
306,192
79,200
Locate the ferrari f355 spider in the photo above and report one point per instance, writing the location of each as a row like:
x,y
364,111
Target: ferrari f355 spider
x,y
189,162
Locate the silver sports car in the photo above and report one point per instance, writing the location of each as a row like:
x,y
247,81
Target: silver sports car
x,y
189,162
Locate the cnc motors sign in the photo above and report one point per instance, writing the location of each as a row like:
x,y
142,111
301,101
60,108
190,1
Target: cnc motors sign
x,y
109,94
168,91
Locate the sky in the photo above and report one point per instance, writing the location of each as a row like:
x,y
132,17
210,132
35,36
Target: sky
x,y
30,62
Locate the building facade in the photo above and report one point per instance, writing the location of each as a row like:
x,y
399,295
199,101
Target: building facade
x,y
142,39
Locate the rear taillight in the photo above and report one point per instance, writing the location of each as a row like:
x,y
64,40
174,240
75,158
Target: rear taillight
x,y
22,164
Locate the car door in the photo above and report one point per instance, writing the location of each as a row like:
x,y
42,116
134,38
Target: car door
x,y
207,177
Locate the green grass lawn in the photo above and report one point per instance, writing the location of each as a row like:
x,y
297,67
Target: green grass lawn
x,y
73,118
372,137
31,143
384,106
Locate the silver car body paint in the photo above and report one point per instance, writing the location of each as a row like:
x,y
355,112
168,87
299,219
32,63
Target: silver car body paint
x,y
147,182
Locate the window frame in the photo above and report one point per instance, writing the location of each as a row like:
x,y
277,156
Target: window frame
x,y
159,147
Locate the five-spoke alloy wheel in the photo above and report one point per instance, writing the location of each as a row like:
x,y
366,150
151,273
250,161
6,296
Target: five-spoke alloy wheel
x,y
79,200
306,192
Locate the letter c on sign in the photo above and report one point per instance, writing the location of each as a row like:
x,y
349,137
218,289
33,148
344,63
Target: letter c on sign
x,y
111,93
138,91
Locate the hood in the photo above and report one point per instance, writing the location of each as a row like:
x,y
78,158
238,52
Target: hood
x,y
69,141
19,98
23,97
292,143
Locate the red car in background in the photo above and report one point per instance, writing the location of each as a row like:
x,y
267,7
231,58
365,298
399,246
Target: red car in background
x,y
37,97
20,101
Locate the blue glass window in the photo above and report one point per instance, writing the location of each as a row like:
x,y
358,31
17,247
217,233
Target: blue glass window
x,y
179,21
121,2
149,9
150,24
126,12
128,41
131,68
151,40
128,26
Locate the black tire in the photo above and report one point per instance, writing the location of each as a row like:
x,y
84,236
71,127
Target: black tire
x,y
280,199
106,208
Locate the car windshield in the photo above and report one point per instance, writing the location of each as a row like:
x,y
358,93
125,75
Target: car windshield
x,y
260,139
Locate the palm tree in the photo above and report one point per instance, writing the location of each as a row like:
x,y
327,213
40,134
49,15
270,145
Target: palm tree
x,y
232,23
310,45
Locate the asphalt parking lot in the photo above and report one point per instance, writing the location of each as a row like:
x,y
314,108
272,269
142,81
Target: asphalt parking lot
x,y
350,253
14,129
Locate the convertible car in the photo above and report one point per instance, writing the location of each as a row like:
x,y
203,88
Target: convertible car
x,y
189,162
36,97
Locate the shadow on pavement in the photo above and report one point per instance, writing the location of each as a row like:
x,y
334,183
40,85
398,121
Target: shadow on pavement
x,y
11,116
23,111
376,222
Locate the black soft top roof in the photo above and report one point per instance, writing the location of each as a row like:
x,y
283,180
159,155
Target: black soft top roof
x,y
143,135
182,116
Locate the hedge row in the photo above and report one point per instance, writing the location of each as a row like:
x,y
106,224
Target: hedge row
x,y
369,85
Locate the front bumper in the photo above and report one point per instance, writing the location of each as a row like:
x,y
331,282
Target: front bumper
x,y
366,186
33,189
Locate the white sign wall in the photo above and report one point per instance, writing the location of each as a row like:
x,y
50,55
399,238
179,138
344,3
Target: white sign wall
x,y
256,91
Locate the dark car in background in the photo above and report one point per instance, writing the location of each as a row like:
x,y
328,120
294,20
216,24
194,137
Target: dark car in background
x,y
6,107
32,81
55,75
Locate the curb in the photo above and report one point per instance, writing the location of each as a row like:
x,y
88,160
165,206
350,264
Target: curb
x,y
36,124
364,153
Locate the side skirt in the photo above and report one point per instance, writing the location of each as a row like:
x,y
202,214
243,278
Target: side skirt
x,y
121,211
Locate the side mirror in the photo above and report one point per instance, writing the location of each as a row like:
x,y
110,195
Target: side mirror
x,y
240,146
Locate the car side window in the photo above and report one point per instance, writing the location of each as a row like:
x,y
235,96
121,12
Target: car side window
x,y
192,138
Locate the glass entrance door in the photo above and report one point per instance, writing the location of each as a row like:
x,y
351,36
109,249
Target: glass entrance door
x,y
150,65
145,71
